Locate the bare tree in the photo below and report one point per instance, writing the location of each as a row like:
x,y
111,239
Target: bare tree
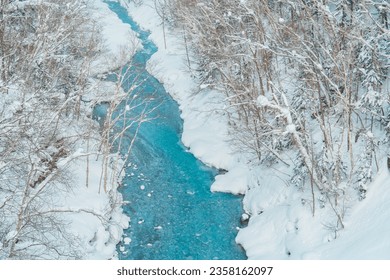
x,y
46,49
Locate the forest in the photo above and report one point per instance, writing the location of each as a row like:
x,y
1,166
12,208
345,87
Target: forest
x,y
48,85
306,86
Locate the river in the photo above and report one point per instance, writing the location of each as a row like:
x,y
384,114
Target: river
x,y
173,214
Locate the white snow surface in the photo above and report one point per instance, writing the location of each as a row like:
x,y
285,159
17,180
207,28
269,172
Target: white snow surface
x,y
92,205
282,225
262,101
119,40
367,228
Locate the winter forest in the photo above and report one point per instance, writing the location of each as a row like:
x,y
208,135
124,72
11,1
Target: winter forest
x,y
51,54
304,78
296,95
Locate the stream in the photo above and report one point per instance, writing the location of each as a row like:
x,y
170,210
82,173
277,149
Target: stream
x,y
173,214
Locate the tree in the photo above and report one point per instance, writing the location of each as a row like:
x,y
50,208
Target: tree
x,y
46,50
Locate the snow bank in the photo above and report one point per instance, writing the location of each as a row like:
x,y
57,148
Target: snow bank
x,y
96,215
97,218
119,41
235,181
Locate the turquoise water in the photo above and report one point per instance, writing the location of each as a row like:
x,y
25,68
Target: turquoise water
x,y
173,213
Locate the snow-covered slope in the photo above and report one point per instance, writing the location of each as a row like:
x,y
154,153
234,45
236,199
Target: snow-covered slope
x,y
367,227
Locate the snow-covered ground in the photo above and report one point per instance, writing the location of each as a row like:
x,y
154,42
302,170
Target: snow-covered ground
x,y
98,220
119,41
282,225
119,45
366,235
95,216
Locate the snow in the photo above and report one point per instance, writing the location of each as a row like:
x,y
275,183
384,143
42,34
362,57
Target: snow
x,y
290,128
234,181
127,240
120,41
262,101
245,217
98,226
91,206
366,235
93,218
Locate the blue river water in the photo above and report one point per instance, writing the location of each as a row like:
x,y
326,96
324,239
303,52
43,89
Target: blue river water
x,y
174,215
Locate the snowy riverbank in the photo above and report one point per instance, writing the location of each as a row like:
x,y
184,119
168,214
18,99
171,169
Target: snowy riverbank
x,y
97,219
101,231
282,225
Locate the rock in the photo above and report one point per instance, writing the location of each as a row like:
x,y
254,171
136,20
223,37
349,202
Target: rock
x,y
244,219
